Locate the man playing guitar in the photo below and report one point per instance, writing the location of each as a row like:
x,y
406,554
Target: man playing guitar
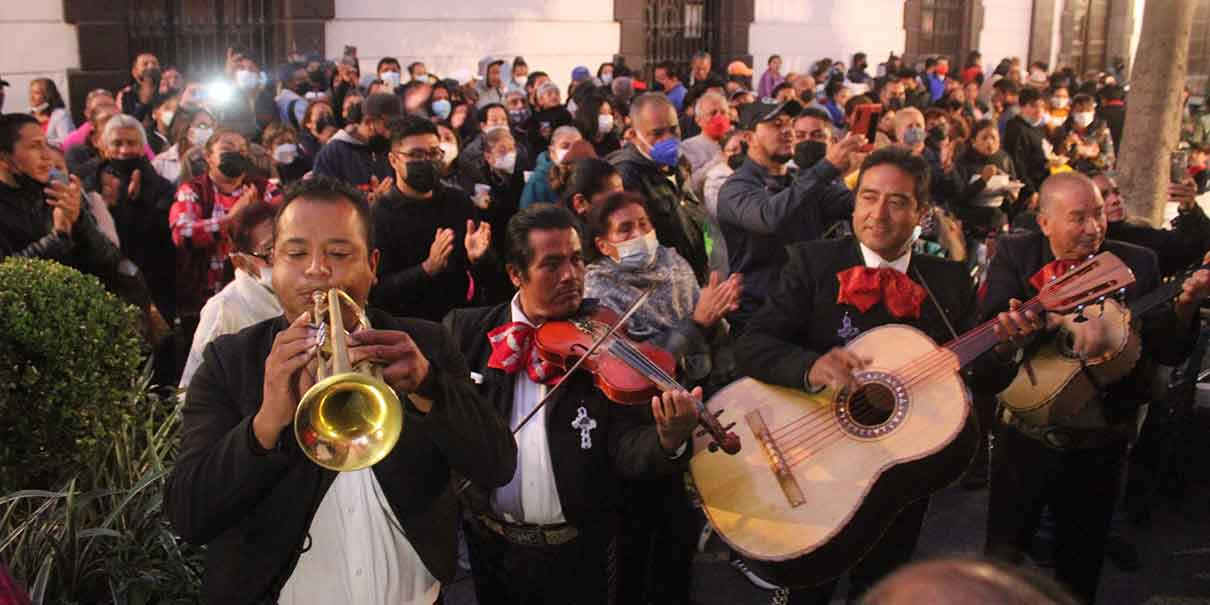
x,y
1073,464
832,290
545,537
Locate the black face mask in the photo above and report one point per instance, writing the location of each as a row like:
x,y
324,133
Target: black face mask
x,y
737,160
937,134
323,123
808,153
379,144
421,175
125,166
152,74
292,172
302,88
895,103
232,164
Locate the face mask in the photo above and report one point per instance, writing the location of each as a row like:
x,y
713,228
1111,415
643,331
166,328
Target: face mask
x,y
493,128
451,152
41,107
442,108
604,124
1084,118
808,153
942,70
638,253
559,155
285,153
125,166
606,78
421,175
938,133
517,116
198,135
717,126
317,78
506,163
323,123
913,135
1059,102
152,74
232,164
666,152
246,79
737,160
266,278
166,117
378,144
895,103
391,79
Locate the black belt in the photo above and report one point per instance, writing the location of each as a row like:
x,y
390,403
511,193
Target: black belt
x,y
525,534
1062,438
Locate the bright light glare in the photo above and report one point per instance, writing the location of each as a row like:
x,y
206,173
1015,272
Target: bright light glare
x,y
219,92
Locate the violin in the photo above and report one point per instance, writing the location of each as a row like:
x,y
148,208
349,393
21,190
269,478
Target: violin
x,y
627,372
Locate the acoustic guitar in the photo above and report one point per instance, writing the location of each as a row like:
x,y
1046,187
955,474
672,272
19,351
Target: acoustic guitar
x,y
1054,382
830,471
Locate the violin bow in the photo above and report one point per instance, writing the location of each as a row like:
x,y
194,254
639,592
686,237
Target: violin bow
x,y
595,345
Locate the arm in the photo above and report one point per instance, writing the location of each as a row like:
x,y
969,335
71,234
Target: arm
x,y
634,445
751,207
221,473
185,220
769,350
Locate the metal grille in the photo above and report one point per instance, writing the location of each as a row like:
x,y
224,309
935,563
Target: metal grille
x,y
1199,49
194,35
675,29
1089,35
941,29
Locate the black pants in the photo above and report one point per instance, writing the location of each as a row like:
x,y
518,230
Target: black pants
x,y
657,532
578,572
894,549
1079,487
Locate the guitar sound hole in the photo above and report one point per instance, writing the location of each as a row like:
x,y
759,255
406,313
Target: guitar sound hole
x,y
872,404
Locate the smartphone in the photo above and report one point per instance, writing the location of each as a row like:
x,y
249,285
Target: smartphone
x,y
865,121
58,176
1178,165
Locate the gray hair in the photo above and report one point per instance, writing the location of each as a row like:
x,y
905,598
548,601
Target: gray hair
x,y
119,122
548,86
707,97
649,99
566,131
495,136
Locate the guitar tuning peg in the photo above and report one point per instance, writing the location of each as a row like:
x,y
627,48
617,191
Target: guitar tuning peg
x,y
729,427
1080,315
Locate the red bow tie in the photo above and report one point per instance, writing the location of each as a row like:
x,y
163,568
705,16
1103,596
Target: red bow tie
x,y
513,348
1052,270
864,287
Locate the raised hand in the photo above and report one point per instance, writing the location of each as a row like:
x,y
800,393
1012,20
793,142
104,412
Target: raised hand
x,y
477,240
718,299
286,379
66,200
439,252
675,417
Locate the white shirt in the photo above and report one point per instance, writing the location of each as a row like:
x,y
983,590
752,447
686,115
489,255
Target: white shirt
x,y
358,552
241,303
874,261
534,478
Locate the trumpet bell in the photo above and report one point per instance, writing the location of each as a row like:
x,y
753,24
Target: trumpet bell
x,y
348,421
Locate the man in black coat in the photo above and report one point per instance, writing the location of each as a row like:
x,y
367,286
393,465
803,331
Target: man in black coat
x,y
796,340
1073,464
1176,249
281,529
544,538
1023,138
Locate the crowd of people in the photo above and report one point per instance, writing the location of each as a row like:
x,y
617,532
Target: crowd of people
x,y
754,211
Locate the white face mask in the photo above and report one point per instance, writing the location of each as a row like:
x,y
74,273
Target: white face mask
x,y
494,127
40,107
1084,118
638,253
604,123
166,117
198,135
451,153
391,79
559,154
571,107
285,153
1059,102
246,79
606,78
506,163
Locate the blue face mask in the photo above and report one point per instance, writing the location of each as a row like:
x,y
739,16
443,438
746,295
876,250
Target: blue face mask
x,y
442,108
913,135
666,152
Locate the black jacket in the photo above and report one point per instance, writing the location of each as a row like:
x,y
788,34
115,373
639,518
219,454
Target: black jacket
x,y
801,319
1023,143
625,444
1176,248
760,215
27,229
349,159
506,192
252,509
968,170
1165,339
146,238
676,214
542,124
404,229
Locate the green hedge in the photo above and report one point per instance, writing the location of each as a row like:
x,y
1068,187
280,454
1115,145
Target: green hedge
x,y
70,358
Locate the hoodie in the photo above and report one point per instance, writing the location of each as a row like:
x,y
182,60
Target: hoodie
x,y
491,95
349,159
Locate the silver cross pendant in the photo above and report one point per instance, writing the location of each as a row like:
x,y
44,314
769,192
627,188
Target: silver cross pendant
x,y
585,425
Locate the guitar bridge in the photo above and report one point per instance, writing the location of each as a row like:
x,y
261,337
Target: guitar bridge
x,y
777,461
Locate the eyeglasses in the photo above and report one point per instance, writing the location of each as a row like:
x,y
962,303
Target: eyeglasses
x,y
420,155
263,254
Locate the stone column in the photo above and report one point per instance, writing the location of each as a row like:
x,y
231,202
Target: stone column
x,y
1153,108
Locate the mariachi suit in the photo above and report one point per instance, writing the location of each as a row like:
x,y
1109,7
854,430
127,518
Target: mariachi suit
x,y
1079,484
802,320
624,444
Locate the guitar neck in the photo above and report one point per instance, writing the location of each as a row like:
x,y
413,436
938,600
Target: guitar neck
x,y
978,341
1161,294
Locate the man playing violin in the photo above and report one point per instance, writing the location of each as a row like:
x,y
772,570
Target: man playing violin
x,y
830,291
544,538
281,529
1073,464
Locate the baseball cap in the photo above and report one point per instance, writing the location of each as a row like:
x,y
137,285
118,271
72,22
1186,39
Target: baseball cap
x,y
755,113
580,74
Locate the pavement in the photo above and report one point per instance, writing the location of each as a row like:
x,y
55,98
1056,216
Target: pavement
x,y
1174,547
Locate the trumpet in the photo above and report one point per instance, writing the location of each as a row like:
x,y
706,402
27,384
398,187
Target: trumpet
x,y
350,419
